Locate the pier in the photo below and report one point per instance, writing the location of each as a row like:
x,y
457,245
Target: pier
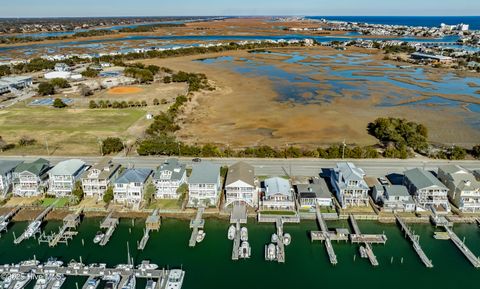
x,y
195,225
366,239
110,224
152,223
236,242
463,248
34,227
324,235
5,219
238,216
415,242
65,233
280,243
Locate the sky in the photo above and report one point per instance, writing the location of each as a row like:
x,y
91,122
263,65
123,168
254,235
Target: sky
x,y
58,8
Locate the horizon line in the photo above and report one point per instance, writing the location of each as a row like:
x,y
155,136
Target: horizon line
x,y
239,16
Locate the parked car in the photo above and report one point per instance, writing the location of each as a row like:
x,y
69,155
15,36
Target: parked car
x,y
197,160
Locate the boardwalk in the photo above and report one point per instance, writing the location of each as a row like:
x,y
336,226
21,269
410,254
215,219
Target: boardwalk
x,y
67,231
34,227
280,243
415,242
367,240
463,248
195,225
326,236
110,224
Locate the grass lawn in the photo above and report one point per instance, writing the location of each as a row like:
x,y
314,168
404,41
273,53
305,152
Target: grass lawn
x,y
62,202
278,213
165,204
68,131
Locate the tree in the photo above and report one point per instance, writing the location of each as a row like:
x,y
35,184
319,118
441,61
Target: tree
x,y
89,72
92,104
3,144
85,90
476,152
26,141
108,195
60,83
112,145
167,79
156,101
77,191
58,103
46,88
456,153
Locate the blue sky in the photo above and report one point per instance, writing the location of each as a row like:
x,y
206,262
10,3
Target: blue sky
x,y
41,8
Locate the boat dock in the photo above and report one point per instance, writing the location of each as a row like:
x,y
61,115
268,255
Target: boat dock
x,y
34,226
110,224
463,248
238,216
5,219
280,243
236,242
65,233
324,235
415,242
195,225
152,223
366,239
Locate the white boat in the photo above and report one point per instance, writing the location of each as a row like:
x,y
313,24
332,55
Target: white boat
x,y
287,239
112,281
244,234
231,232
92,283
363,252
28,263
146,265
58,281
175,279
271,252
244,251
32,229
274,238
150,284
21,281
130,283
42,282
200,236
52,262
7,282
98,237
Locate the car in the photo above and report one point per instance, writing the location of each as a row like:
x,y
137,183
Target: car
x,y
384,181
197,160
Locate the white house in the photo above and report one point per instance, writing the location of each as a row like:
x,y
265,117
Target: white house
x,y
463,187
315,192
168,178
277,195
6,176
393,198
349,185
204,185
129,187
240,185
30,179
427,191
64,175
99,177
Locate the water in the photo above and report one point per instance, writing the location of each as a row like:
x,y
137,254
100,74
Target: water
x,y
424,21
209,266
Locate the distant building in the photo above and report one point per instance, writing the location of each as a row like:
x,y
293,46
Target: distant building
x,y
168,178
57,74
204,185
431,57
393,198
349,185
129,187
61,67
316,192
277,195
12,83
30,179
427,191
97,178
64,175
240,185
464,189
6,176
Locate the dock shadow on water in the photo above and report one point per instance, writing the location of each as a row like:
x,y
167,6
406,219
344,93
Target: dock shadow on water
x,y
209,264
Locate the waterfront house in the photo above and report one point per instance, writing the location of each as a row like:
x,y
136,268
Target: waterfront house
x,y
64,175
315,192
427,191
168,178
97,178
6,176
350,187
130,186
30,179
463,187
204,185
393,198
240,185
277,195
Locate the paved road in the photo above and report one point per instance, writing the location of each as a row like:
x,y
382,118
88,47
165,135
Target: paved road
x,y
271,167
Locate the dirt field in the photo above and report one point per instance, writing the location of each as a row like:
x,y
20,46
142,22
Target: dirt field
x,y
124,90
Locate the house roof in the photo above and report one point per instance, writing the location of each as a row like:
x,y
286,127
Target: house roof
x,y
7,166
317,189
452,169
139,175
176,170
204,173
241,171
423,179
396,191
276,185
37,167
68,167
106,167
350,171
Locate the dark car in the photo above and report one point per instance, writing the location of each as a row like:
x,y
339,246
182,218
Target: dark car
x,y
197,160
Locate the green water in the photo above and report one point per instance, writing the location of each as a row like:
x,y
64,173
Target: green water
x,y
209,266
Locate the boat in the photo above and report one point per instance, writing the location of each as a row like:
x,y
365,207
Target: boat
x,y
32,229
146,265
270,252
124,266
42,282
112,281
244,251
150,284
274,238
58,281
363,252
244,234
92,283
21,281
200,236
7,282
175,279
98,237
75,265
28,263
231,232
130,283
287,239
53,262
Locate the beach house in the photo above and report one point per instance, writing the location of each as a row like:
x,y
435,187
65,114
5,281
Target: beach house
x,y
168,177
6,176
350,187
204,185
463,188
64,175
277,195
427,191
129,187
97,178
241,186
30,179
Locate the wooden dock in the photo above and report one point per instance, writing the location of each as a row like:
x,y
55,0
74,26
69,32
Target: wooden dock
x,y
415,242
5,219
324,235
195,225
66,231
367,240
110,224
463,248
34,227
153,222
280,244
236,242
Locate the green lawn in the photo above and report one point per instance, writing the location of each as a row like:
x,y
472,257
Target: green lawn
x,y
165,204
278,213
62,202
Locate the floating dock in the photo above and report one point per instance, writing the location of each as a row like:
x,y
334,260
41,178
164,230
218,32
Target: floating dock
x,y
463,248
152,223
5,219
195,225
66,232
415,242
110,224
236,242
367,240
34,227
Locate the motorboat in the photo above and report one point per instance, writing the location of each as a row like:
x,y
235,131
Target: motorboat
x,y
112,281
28,263
58,281
245,250
175,279
146,265
274,238
8,281
363,252
53,262
150,284
124,267
231,232
287,239
42,282
271,252
244,234
98,237
32,229
75,265
92,283
21,281
130,283
200,236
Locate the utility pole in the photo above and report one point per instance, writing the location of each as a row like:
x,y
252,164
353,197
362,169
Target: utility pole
x,y
343,149
100,143
46,145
